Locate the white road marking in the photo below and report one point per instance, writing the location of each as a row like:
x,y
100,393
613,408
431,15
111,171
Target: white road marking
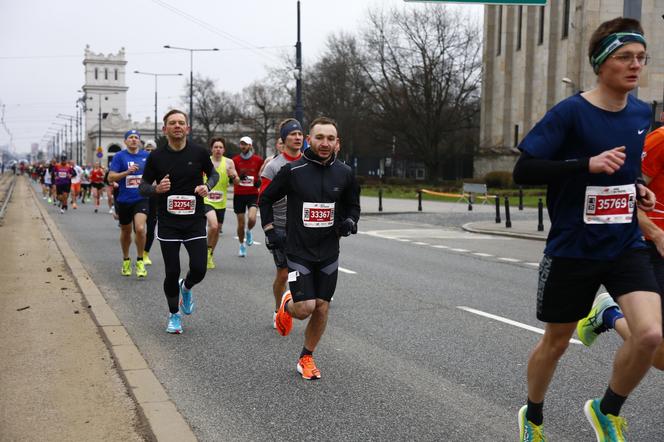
x,y
401,239
440,247
485,255
350,272
460,250
509,259
534,264
510,322
421,243
431,233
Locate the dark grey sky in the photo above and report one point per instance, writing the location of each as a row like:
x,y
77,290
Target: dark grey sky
x,y
42,44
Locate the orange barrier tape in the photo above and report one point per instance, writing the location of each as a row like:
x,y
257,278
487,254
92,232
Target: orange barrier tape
x,y
455,195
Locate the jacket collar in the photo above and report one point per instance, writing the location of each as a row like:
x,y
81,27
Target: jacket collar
x,y
309,155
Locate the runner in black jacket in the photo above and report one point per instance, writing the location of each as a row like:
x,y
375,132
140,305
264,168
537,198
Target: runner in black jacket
x,y
323,204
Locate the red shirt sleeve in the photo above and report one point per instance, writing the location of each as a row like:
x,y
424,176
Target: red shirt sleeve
x,y
653,153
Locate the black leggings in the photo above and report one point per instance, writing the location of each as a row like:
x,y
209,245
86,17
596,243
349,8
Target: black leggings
x,y
150,224
170,250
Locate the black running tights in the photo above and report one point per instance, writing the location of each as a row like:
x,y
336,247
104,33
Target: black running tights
x,y
170,250
151,222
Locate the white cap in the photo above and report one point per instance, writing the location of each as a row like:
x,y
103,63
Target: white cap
x,y
246,140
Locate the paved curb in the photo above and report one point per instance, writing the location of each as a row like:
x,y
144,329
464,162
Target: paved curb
x,y
469,228
163,418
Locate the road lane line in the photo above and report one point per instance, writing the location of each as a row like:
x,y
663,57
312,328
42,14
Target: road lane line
x,y
421,243
350,272
534,264
509,321
460,250
484,255
440,247
509,259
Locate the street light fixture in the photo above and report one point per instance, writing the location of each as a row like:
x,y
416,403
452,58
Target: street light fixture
x,y
99,94
191,79
156,75
71,119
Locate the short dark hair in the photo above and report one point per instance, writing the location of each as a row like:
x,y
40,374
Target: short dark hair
x,y
323,120
215,139
173,112
618,24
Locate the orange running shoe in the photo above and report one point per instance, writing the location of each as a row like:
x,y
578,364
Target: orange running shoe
x,y
307,368
284,320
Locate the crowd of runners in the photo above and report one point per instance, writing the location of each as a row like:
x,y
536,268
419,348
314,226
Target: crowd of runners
x,y
604,193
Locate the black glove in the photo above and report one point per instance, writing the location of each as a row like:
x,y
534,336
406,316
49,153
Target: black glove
x,y
276,239
243,177
347,227
257,183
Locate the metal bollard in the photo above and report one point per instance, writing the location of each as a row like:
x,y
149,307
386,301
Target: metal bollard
x,y
470,202
497,209
540,215
419,200
520,198
508,221
380,199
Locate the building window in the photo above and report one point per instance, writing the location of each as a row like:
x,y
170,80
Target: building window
x,y
105,73
116,75
500,29
96,73
519,25
566,18
516,135
540,37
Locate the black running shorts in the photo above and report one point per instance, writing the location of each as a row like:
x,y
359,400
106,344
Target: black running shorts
x,y
221,213
126,211
61,189
312,280
175,228
241,203
567,286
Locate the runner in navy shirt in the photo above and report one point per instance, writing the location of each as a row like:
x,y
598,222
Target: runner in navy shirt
x,y
132,208
587,150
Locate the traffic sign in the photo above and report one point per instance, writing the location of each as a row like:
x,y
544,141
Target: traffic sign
x,y
100,154
100,149
486,2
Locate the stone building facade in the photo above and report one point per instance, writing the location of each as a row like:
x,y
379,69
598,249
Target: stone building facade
x,y
535,56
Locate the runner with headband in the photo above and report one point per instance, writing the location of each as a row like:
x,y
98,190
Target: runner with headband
x,y
587,150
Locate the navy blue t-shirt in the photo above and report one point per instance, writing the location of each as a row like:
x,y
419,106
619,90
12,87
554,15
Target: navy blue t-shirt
x,y
128,190
573,129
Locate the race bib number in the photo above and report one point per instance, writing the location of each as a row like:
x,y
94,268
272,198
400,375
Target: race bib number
x,y
63,174
318,215
181,204
132,181
609,205
248,181
215,195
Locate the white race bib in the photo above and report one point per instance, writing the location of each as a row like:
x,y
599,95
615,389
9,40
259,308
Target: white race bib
x,y
610,204
215,195
181,204
62,174
132,181
248,181
318,215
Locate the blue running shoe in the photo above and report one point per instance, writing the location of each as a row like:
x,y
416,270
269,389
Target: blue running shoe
x,y
528,431
250,237
243,251
174,324
187,300
608,428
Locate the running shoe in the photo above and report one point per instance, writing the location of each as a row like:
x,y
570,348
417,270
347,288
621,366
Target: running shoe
x,y
111,211
50,200
307,368
608,428
243,251
146,259
210,260
140,269
74,206
174,323
250,237
62,211
126,267
592,325
283,320
96,210
274,320
187,301
528,431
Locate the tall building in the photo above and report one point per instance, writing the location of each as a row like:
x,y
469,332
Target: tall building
x,y
535,56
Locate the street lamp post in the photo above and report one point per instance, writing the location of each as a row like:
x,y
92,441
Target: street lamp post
x,y
156,75
71,119
99,95
299,112
191,80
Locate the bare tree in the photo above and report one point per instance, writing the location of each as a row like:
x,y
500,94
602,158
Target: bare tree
x,y
423,68
212,108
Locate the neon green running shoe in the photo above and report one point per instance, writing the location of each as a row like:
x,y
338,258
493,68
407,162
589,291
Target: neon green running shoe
x,y
146,259
608,428
592,325
126,267
528,431
140,269
210,260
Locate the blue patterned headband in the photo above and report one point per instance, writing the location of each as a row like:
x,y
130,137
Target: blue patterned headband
x,y
288,128
610,44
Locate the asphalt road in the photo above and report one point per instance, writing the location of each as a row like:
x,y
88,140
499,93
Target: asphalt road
x,y
400,360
